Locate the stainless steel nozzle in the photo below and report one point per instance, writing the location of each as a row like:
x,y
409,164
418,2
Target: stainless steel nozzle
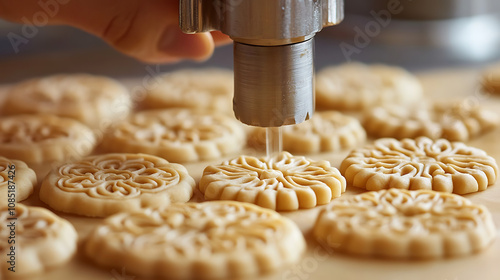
x,y
273,52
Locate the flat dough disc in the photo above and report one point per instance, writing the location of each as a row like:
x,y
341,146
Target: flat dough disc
x,y
107,184
17,181
422,163
284,182
405,224
207,240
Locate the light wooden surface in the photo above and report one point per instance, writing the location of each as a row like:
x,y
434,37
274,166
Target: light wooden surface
x,y
318,263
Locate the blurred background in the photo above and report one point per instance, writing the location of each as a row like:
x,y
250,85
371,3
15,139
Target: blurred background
x,y
417,35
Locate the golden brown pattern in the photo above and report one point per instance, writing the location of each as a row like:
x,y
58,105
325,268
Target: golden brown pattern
x,y
420,164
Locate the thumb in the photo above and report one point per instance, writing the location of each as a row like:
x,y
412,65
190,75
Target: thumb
x,y
146,30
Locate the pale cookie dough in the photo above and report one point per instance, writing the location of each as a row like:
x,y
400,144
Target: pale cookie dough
x,y
458,121
99,186
44,138
490,80
178,135
326,131
210,240
208,89
284,182
356,86
17,181
42,240
420,164
405,224
94,100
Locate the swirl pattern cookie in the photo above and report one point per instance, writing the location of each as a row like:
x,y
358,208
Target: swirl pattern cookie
x,y
178,135
459,121
17,181
356,86
284,182
107,184
398,223
420,164
326,131
93,100
197,241
42,240
490,80
44,138
207,89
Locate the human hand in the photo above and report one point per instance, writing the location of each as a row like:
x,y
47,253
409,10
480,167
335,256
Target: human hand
x,y
147,30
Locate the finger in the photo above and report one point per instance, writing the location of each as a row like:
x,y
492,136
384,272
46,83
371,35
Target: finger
x,y
220,38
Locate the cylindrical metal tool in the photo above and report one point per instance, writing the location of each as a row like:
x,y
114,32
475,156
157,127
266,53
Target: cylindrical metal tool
x,y
273,52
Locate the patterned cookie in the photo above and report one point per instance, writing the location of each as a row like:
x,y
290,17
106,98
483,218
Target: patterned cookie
x,y
42,240
326,131
94,100
490,80
178,135
208,89
420,164
44,138
457,121
207,240
405,224
283,182
16,181
356,86
107,184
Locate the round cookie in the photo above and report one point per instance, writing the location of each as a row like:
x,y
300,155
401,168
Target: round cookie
x,y
490,80
17,181
404,224
457,121
356,86
42,240
39,139
422,163
284,182
102,185
207,89
178,135
326,131
95,101
223,240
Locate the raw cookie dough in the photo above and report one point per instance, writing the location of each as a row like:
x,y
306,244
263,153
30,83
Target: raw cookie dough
x,y
490,80
107,184
96,101
283,182
326,131
17,181
37,139
356,86
209,89
207,240
404,224
42,240
178,135
420,164
458,121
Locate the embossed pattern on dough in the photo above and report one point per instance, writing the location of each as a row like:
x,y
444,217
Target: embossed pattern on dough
x,y
43,240
94,100
422,163
405,224
22,180
197,241
208,89
326,131
356,86
459,121
178,135
44,138
490,80
107,184
283,182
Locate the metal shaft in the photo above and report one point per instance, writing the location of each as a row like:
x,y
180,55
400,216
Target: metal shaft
x,y
274,86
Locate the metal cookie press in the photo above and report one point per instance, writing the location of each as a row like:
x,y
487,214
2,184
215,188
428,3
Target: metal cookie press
x,y
273,52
